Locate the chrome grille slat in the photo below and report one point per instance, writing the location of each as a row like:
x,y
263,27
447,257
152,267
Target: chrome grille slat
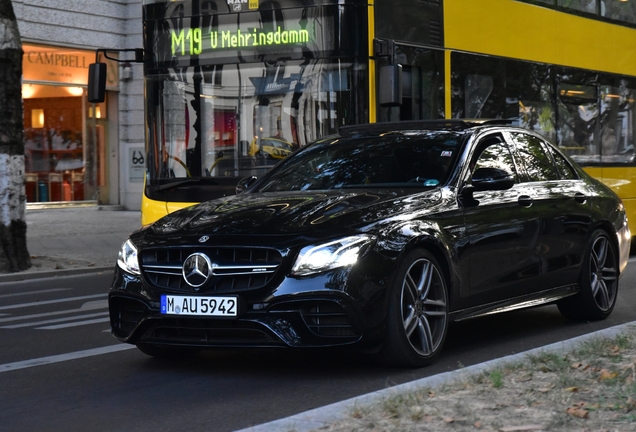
x,y
176,268
233,269
163,273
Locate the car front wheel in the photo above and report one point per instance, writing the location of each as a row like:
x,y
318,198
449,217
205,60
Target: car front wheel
x,y
598,282
418,312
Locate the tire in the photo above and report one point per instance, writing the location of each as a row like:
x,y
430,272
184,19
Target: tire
x,y
158,351
417,318
598,282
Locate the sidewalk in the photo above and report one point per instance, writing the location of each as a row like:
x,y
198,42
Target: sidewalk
x,y
74,240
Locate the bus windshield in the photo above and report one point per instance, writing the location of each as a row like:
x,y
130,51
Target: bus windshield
x,y
231,91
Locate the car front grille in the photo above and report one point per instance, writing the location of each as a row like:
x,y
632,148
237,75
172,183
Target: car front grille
x,y
234,269
187,332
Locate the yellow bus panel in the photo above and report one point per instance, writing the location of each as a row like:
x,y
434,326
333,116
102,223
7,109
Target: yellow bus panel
x,y
152,210
523,31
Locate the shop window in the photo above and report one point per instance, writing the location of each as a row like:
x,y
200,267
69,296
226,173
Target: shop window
x,y
54,142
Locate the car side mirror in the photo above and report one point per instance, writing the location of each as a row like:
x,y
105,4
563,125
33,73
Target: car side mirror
x,y
245,183
488,179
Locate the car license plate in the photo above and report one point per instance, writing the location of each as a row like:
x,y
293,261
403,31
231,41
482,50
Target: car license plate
x,y
199,306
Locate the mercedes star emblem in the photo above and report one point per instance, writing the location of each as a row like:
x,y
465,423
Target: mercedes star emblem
x,y
197,268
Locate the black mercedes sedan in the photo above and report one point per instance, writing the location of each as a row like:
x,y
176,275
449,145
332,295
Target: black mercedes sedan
x,y
376,238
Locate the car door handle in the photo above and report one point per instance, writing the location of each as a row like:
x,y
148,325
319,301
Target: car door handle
x,y
525,200
580,198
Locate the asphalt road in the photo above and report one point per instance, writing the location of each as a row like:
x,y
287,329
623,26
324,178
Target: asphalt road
x,y
61,370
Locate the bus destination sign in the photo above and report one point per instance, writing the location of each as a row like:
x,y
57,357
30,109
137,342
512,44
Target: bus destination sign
x,y
194,41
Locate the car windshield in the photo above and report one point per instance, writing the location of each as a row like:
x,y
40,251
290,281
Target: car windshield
x,y
405,159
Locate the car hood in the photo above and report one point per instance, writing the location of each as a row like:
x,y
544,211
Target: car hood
x,y
289,214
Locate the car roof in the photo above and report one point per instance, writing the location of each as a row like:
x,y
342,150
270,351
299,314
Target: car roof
x,y
414,125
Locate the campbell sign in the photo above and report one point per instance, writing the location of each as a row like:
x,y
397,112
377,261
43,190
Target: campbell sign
x,y
62,65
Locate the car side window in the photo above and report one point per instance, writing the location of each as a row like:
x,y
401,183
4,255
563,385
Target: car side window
x,y
538,164
495,154
565,169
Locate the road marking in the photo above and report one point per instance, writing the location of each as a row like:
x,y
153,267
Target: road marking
x,y
74,324
92,305
64,357
56,320
39,303
33,292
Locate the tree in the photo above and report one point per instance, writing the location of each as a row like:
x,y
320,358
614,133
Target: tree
x,y
14,255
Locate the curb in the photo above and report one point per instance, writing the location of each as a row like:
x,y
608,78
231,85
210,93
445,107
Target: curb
x,y
321,418
18,277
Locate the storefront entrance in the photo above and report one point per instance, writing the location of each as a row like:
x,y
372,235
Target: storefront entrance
x,y
64,143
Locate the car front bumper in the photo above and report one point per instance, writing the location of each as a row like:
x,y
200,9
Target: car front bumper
x,y
315,312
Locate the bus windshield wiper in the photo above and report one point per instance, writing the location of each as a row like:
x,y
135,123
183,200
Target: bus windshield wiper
x,y
189,181
185,181
176,184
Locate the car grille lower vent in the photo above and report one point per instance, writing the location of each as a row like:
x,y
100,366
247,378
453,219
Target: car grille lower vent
x,y
125,315
234,269
327,319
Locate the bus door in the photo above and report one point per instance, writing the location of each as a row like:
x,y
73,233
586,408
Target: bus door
x,y
422,81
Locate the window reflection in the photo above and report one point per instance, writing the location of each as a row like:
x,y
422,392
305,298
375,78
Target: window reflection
x,y
496,155
615,10
391,161
248,120
589,115
538,164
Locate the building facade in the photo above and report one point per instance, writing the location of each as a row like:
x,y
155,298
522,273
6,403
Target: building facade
x,y
76,152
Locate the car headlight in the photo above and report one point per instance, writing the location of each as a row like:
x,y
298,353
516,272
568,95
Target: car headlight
x,y
327,256
127,259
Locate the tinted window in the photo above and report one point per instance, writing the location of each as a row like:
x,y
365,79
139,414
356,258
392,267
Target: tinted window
x,y
495,153
565,169
409,160
536,161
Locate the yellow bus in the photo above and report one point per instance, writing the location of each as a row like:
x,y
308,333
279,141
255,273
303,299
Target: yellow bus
x,y
222,77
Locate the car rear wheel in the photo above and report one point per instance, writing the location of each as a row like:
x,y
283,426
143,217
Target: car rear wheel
x,y
166,351
598,282
418,312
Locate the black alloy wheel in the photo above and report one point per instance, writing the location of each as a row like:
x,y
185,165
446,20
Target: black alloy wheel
x,y
418,312
598,282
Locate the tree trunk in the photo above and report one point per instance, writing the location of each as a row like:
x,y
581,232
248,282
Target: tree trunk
x,y
14,255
